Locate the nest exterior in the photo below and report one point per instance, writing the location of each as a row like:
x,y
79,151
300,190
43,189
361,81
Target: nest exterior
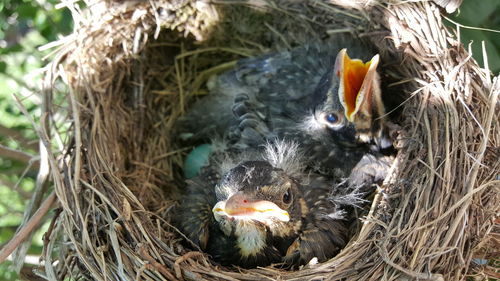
x,y
116,86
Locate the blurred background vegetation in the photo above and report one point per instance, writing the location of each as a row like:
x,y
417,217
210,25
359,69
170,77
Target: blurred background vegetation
x,y
26,25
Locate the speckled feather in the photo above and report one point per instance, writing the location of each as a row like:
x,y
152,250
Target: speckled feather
x,y
274,96
278,96
320,231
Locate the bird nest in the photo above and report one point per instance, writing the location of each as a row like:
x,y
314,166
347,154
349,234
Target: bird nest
x,y
130,69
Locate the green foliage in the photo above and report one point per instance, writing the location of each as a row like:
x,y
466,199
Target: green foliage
x,y
7,274
17,17
481,14
24,26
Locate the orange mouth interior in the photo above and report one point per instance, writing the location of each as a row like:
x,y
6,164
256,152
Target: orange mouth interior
x,y
354,72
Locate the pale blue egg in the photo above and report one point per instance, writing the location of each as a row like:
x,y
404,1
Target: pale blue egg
x,y
480,261
196,159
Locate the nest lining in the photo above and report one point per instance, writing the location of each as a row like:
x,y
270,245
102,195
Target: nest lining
x,y
129,80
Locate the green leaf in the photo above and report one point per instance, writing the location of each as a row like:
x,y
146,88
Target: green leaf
x,y
476,12
6,273
12,49
40,19
27,11
476,37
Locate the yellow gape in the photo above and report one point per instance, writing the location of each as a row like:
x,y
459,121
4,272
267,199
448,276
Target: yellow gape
x,y
355,81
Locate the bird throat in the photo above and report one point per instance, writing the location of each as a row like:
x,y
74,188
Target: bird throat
x,y
250,238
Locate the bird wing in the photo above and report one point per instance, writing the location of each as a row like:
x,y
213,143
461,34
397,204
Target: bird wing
x,y
276,88
326,229
275,94
208,117
321,240
194,215
332,213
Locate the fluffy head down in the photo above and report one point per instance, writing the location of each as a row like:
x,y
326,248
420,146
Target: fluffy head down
x,y
280,154
258,204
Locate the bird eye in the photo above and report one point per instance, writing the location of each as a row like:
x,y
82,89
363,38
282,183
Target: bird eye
x,y
331,118
287,197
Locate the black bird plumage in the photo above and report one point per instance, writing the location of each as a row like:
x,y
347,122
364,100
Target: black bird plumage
x,y
293,95
316,224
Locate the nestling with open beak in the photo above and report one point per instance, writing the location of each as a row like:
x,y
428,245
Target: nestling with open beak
x,y
315,95
265,209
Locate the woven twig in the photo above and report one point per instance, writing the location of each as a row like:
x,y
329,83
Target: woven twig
x,y
132,69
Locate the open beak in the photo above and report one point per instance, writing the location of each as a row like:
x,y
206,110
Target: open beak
x,y
240,206
357,80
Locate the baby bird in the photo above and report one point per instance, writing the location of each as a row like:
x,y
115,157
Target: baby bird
x,y
253,207
260,207
315,95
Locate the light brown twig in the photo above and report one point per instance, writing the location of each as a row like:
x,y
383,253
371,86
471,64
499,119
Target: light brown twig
x,y
27,228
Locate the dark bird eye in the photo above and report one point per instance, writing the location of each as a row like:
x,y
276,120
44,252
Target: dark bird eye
x,y
287,197
331,118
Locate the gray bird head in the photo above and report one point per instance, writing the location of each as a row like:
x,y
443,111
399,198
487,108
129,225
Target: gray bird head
x,y
260,200
348,107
